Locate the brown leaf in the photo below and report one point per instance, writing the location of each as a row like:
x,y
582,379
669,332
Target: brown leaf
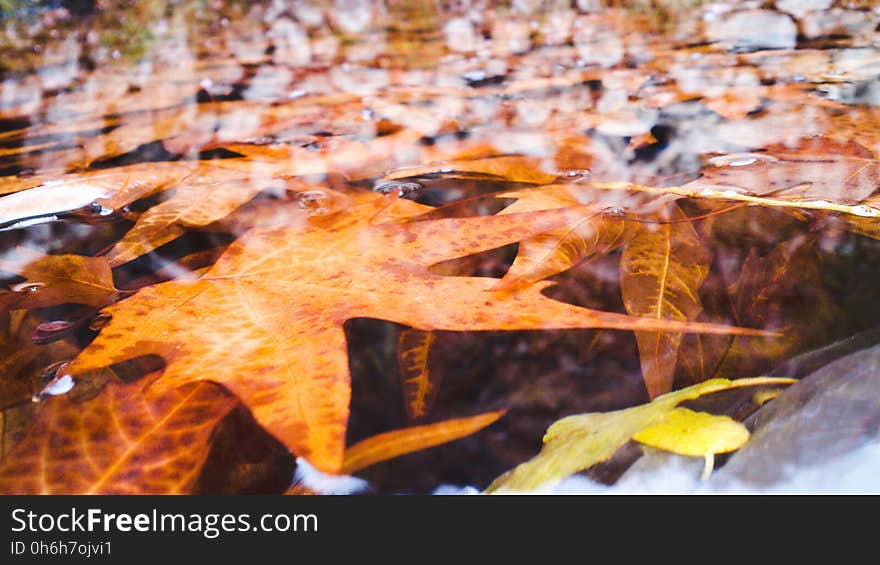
x,y
599,231
420,382
58,279
815,169
191,205
127,440
772,292
661,271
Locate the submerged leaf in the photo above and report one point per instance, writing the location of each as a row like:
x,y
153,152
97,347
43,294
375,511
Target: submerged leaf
x,y
511,168
58,279
597,232
661,272
420,382
407,440
126,440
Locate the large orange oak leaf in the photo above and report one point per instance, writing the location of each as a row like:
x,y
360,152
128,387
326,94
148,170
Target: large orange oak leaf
x,y
126,440
266,321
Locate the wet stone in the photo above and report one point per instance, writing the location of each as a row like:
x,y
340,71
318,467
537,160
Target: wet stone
x,y
799,8
753,30
837,21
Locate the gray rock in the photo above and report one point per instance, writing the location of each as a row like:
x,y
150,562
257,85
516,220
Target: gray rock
x,y
854,23
820,421
753,29
798,8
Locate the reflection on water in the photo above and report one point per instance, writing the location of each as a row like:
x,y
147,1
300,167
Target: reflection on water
x,y
193,121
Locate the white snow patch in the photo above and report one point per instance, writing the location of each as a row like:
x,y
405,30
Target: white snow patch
x,y
325,483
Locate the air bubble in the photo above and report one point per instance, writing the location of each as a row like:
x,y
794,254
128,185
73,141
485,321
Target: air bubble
x,y
740,159
865,211
58,386
28,287
401,188
100,321
313,201
55,384
574,175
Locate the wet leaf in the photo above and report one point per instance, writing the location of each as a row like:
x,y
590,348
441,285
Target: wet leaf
x,y
696,434
127,440
661,271
58,279
407,440
272,282
771,292
600,231
815,169
420,381
511,168
192,205
578,442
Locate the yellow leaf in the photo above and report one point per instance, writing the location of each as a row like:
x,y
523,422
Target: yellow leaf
x,y
694,433
578,442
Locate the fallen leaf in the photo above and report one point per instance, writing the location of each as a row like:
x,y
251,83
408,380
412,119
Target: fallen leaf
x,y
662,269
282,295
842,173
696,434
407,440
511,168
542,256
58,279
127,440
420,382
578,442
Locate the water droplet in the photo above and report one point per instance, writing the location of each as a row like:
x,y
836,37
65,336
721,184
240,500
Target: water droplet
x,y
400,187
865,211
617,211
740,159
574,175
60,385
27,287
100,321
48,332
100,210
55,383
